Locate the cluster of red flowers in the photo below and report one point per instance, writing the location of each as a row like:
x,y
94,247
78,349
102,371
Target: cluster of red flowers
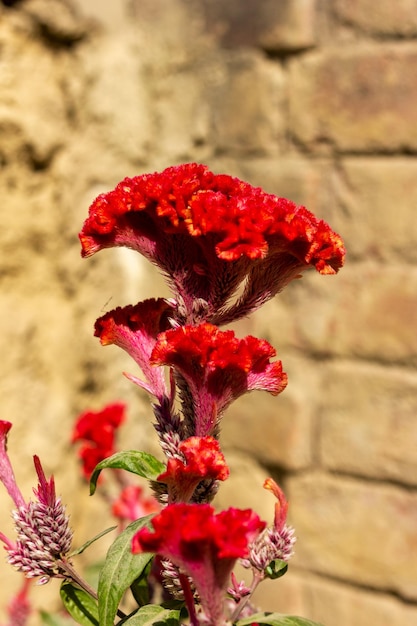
x,y
226,248
97,430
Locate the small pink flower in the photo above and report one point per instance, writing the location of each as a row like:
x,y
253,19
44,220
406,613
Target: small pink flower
x,y
276,542
218,368
97,430
205,546
132,504
202,460
19,608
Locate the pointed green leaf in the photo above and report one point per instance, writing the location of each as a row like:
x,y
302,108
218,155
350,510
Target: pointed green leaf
x,y
276,619
79,604
154,614
88,543
140,463
140,587
120,569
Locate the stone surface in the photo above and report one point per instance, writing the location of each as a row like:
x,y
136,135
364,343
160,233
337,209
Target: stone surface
x,y
368,311
355,531
357,98
277,27
381,18
367,422
374,207
276,430
256,88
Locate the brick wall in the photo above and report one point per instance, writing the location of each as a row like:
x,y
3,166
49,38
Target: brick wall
x,y
311,99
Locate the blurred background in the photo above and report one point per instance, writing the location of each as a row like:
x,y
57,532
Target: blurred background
x,y
315,100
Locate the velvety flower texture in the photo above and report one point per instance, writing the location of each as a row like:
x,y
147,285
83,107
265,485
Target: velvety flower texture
x,y
202,460
209,233
97,429
203,545
135,329
218,368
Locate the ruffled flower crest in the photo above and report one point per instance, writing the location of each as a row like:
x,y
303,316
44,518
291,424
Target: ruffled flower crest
x,y
202,460
210,232
204,545
218,368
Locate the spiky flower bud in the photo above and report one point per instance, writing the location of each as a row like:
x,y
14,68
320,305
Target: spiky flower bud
x,y
43,533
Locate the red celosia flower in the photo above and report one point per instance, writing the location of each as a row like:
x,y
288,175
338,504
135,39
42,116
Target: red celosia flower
x,y
97,430
208,233
132,504
134,329
218,368
203,545
202,460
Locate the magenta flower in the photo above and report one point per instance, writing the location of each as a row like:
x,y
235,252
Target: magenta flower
x,y
135,329
218,368
7,476
209,233
205,546
43,533
202,460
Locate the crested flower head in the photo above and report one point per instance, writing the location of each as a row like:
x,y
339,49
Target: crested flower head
x,y
209,233
218,368
97,430
202,460
135,329
204,545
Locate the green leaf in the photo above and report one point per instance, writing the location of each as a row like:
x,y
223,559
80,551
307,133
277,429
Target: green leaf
x,y
120,569
276,619
140,587
154,614
47,619
276,569
79,604
140,463
88,543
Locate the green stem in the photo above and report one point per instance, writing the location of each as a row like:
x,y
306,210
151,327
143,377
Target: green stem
x,y
73,575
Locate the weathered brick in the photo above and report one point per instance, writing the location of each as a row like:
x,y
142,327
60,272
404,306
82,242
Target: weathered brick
x,y
333,603
366,311
276,430
358,532
367,422
381,18
374,207
275,26
356,98
245,101
330,602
